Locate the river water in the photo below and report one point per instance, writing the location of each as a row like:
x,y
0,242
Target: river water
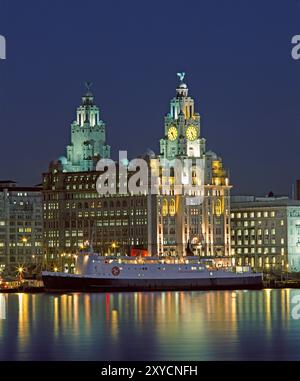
x,y
198,325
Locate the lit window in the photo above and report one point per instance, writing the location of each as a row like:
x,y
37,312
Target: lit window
x,y
266,214
165,207
258,214
218,207
172,208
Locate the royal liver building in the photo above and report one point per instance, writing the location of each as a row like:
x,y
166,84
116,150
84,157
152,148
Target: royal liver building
x,y
188,214
197,220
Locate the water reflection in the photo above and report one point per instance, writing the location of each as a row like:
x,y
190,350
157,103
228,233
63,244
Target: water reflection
x,y
225,325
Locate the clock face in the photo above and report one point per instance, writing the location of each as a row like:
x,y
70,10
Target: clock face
x,y
172,133
191,132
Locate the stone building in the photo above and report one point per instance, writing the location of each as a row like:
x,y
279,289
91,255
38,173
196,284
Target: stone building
x,y
265,232
21,225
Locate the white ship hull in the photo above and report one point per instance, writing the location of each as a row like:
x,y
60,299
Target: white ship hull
x,y
102,276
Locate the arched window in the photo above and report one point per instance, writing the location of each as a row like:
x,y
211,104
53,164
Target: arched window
x,y
172,208
165,207
218,207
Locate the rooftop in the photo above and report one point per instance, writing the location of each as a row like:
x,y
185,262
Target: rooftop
x,y
242,202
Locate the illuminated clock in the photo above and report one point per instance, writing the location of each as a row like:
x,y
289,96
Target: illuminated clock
x,y
172,133
191,132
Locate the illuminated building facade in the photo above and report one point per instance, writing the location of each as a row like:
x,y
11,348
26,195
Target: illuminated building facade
x,y
75,213
166,223
265,232
21,225
199,219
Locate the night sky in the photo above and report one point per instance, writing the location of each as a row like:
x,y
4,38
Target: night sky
x,y
239,70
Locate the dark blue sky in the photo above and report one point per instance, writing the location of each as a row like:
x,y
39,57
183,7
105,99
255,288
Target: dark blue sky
x,y
239,70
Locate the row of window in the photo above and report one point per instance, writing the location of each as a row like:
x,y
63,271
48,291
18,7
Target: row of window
x,y
254,223
253,232
266,214
21,245
243,242
81,178
259,250
260,262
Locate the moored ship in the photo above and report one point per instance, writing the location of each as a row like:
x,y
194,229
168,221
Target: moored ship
x,y
98,273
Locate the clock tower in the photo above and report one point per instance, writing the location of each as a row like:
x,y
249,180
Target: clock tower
x,y
196,221
182,127
88,137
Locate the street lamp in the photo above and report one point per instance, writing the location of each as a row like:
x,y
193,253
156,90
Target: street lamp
x,y
20,272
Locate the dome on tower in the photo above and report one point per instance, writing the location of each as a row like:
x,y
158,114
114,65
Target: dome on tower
x,y
150,153
63,160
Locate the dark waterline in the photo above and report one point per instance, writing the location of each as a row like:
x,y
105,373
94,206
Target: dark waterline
x,y
215,325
